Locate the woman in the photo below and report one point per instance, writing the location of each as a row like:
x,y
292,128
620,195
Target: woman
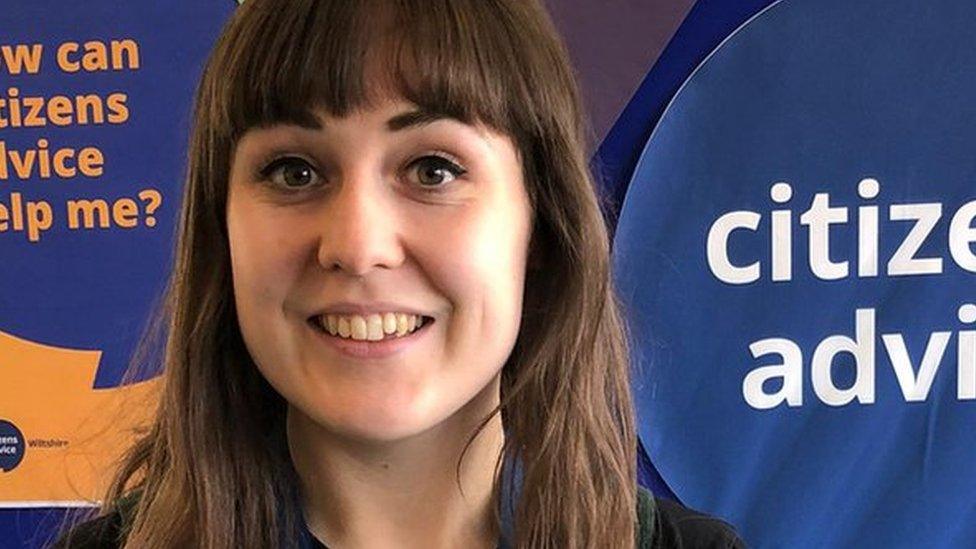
x,y
391,322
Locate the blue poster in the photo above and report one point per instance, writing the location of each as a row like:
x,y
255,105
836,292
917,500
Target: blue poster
x,y
95,104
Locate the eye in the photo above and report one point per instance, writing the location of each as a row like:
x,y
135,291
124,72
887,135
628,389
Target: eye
x,y
434,171
291,173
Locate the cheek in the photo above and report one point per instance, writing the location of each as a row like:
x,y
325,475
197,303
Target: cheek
x,y
479,264
265,263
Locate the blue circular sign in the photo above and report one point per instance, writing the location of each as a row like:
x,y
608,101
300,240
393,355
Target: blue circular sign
x,y
796,250
12,446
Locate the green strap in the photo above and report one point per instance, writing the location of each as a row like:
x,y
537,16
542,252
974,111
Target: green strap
x,y
645,519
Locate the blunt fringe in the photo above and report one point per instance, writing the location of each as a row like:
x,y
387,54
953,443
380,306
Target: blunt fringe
x,y
213,469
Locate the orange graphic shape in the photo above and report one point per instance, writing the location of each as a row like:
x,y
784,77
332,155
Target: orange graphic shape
x,y
47,393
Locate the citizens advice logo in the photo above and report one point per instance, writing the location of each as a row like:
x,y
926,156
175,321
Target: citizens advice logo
x,y
12,446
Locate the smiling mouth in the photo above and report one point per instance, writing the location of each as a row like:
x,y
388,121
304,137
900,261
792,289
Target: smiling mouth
x,y
367,328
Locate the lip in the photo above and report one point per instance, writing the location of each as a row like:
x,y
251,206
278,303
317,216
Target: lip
x,y
364,309
365,349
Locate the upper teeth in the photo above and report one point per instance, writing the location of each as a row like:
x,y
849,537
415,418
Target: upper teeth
x,y
370,327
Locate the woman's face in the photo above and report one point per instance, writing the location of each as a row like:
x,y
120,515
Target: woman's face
x,y
344,238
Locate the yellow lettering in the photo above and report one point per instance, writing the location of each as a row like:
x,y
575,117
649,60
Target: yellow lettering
x,y
59,110
118,110
131,50
86,103
15,206
61,167
125,212
95,57
39,217
64,61
22,57
88,209
34,118
90,162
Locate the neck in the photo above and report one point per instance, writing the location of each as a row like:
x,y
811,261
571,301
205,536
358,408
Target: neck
x,y
404,493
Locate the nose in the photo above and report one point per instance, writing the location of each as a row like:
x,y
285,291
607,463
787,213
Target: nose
x,y
360,228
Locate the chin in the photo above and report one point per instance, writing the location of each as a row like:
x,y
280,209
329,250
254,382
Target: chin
x,y
384,434
393,411
388,420
376,429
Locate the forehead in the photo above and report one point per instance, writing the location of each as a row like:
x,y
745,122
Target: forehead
x,y
394,114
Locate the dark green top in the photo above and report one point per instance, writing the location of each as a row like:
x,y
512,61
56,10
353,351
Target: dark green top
x,y
663,524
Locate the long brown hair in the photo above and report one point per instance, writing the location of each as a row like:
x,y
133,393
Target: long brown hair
x,y
214,470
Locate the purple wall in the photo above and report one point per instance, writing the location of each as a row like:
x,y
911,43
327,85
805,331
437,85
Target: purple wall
x,y
613,44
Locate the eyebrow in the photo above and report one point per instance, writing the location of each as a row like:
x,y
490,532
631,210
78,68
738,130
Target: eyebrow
x,y
418,117
405,120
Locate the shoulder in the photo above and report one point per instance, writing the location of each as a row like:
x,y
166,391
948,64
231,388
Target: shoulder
x,y
665,523
102,532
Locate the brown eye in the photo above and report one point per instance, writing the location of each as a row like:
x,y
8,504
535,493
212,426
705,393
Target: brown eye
x,y
291,172
435,171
